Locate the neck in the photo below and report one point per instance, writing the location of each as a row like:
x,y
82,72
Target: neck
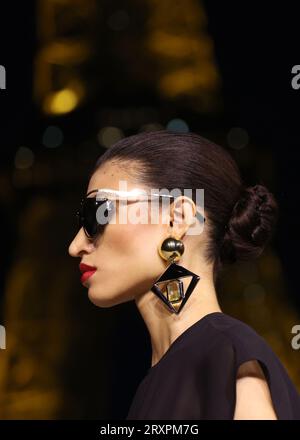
x,y
163,325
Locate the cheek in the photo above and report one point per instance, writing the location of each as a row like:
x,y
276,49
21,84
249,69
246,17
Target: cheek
x,y
128,262
134,246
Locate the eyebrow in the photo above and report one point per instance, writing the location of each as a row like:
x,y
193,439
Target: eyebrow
x,y
90,192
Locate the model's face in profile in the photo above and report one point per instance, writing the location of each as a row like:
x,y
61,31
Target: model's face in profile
x,y
125,255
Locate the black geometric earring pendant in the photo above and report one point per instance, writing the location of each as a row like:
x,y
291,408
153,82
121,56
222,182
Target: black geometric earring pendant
x,y
169,288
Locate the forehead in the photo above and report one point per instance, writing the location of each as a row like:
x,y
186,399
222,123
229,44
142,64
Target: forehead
x,y
111,175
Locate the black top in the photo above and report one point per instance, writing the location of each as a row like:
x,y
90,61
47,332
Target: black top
x,y
196,377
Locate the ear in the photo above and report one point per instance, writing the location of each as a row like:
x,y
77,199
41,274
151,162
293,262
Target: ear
x,y
182,215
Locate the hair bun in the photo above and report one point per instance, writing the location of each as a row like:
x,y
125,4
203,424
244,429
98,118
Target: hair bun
x,y
250,226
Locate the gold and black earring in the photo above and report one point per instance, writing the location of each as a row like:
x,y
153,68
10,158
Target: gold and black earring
x,y
169,287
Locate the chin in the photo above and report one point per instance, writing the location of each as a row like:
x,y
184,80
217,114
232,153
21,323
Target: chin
x,y
105,301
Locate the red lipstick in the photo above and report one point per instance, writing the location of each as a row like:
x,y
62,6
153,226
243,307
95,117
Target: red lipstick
x,y
87,271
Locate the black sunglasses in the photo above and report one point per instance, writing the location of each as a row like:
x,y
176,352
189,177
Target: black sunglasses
x,y
87,215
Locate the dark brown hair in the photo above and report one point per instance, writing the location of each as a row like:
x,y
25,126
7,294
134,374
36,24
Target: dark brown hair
x,y
242,217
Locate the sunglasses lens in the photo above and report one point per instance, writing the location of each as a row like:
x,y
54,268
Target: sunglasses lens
x,y
87,216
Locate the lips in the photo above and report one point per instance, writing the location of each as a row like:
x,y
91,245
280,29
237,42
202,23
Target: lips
x,y
87,271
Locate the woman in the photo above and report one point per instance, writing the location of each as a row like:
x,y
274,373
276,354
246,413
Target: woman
x,y
205,363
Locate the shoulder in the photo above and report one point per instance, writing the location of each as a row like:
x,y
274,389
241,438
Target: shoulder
x,y
254,368
253,398
244,341
228,325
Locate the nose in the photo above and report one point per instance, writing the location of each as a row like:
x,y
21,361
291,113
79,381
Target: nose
x,y
80,244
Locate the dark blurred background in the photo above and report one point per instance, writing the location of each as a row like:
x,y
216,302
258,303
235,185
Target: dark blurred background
x,y
81,74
